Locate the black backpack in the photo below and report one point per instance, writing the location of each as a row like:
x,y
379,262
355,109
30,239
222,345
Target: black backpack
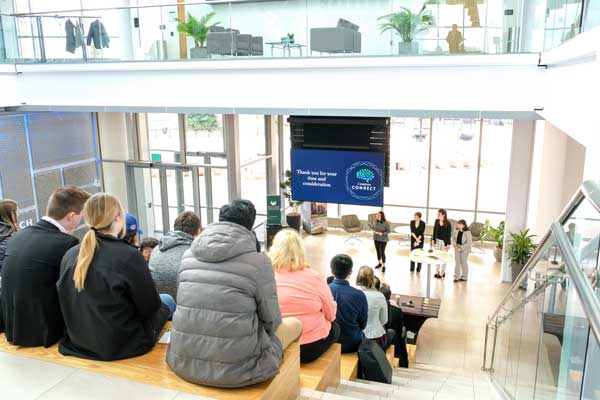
x,y
373,364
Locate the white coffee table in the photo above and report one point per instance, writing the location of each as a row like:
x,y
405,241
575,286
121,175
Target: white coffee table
x,y
425,257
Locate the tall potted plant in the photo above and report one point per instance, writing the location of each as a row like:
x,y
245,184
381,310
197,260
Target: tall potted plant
x,y
197,29
407,24
496,235
519,250
294,218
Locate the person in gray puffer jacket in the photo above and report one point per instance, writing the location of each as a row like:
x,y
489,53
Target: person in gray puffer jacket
x,y
227,329
166,257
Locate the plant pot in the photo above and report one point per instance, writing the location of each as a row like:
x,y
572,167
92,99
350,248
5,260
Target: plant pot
x,y
408,48
498,254
294,220
199,52
516,270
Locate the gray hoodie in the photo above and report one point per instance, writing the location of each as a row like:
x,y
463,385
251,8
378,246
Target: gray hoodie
x,y
227,311
166,258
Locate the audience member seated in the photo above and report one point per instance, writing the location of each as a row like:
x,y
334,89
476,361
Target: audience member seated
x,y
132,230
352,307
107,296
396,322
8,224
303,294
228,330
165,260
31,268
147,246
378,310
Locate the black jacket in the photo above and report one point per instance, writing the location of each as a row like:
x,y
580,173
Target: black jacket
x,y
118,314
418,231
442,232
29,273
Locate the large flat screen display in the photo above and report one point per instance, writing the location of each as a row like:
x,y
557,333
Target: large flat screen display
x,y
342,177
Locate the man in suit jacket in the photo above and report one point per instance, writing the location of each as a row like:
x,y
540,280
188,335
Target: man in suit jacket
x,y
29,299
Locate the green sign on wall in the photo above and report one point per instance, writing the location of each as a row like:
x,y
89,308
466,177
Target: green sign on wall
x,y
273,209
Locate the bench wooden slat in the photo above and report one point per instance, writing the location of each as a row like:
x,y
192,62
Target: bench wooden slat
x,y
324,372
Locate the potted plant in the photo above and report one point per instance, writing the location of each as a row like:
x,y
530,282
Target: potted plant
x,y
294,218
407,24
496,235
519,250
197,29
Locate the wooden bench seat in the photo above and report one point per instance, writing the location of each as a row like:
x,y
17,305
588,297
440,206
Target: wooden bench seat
x,y
324,372
349,364
152,369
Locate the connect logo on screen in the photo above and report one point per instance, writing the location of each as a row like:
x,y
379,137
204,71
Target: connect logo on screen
x,y
364,181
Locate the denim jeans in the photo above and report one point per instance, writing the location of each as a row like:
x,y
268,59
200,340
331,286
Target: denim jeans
x,y
167,299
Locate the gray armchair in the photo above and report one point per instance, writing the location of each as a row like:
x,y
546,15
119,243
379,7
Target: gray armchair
x,y
230,42
257,46
352,225
476,228
344,38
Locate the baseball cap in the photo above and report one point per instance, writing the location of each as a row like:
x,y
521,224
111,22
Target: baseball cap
x,y
131,224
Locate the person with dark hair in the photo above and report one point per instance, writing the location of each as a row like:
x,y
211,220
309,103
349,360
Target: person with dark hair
x,y
228,330
461,240
442,234
381,229
31,268
9,212
352,307
132,229
396,322
166,258
147,247
417,237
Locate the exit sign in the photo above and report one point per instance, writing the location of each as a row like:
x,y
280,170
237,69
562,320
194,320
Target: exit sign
x,y
156,157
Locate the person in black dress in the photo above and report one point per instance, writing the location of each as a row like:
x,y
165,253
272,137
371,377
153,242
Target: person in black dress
x,y
417,235
442,232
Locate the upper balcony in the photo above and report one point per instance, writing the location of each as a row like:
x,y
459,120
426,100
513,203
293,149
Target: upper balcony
x,y
217,30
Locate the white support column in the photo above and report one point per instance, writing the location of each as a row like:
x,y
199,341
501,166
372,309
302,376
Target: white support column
x,y
271,146
231,133
518,185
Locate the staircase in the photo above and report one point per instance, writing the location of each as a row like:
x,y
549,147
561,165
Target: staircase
x,y
419,382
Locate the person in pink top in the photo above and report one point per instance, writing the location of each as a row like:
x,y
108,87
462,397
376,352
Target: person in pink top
x,y
303,294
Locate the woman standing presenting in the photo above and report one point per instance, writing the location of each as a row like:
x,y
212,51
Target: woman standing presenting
x,y
417,233
442,231
461,240
381,230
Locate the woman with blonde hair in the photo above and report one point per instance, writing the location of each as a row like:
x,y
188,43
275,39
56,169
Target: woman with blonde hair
x,y
378,309
109,301
8,224
303,294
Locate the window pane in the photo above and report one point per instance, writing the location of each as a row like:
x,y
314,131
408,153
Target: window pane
x,y
454,163
332,210
494,219
495,163
455,215
402,215
163,134
409,156
361,211
254,185
204,133
252,137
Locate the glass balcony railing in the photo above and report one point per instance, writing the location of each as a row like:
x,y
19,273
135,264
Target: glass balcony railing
x,y
543,341
292,28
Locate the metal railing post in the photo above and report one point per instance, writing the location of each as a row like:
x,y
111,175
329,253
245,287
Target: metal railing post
x,y
485,344
491,369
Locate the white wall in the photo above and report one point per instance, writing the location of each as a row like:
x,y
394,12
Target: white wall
x,y
8,84
112,132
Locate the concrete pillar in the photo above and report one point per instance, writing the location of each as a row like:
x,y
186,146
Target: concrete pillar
x,y
518,185
231,133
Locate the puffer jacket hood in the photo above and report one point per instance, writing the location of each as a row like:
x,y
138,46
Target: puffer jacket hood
x,y
223,241
4,234
174,239
4,229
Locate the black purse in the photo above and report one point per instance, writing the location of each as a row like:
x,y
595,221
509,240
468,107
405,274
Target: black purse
x,y
373,364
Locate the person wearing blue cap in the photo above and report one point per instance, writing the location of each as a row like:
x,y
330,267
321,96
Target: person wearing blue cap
x,y
131,230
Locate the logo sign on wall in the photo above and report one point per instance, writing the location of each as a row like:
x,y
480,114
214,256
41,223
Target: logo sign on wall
x,y
343,177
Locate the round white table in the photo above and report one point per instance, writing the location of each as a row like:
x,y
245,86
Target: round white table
x,y
425,257
403,230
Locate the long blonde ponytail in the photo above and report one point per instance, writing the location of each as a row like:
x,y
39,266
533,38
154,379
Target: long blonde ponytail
x,y
99,213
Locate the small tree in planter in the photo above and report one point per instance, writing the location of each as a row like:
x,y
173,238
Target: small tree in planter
x,y
293,219
519,250
407,24
197,29
496,235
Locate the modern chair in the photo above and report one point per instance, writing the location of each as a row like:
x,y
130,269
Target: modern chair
x,y
352,225
344,38
476,228
257,45
371,218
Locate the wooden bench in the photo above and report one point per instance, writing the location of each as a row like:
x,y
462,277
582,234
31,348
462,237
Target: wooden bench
x,y
414,317
152,369
554,324
324,372
349,364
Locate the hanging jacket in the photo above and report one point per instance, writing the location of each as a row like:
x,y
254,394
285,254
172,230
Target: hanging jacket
x,y
227,311
166,258
97,34
5,232
74,36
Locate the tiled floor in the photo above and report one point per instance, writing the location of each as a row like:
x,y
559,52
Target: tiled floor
x,y
454,340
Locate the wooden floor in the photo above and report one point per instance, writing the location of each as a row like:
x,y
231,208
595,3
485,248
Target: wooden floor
x,y
152,369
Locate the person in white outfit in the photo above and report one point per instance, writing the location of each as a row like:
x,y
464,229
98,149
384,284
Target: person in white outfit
x,y
461,241
378,309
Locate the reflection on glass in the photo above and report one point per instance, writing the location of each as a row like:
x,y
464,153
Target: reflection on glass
x,y
204,133
252,137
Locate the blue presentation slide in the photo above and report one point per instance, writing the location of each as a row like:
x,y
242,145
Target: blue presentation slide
x,y
335,176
